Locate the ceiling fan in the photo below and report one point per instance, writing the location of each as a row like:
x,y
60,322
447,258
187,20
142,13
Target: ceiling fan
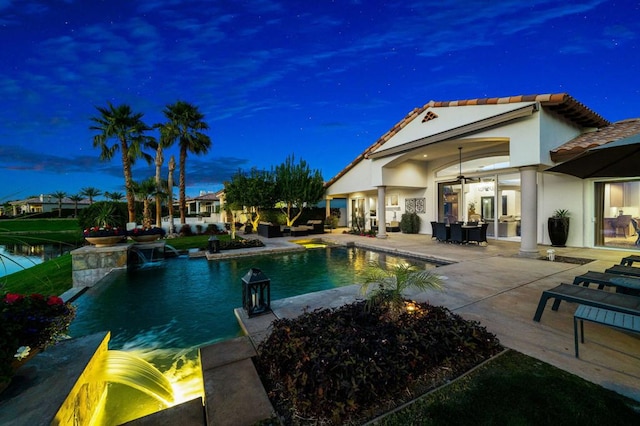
x,y
461,177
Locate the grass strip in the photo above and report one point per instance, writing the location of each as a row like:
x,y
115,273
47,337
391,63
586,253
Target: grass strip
x,y
52,277
39,225
515,389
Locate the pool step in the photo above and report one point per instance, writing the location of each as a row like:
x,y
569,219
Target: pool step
x,y
234,394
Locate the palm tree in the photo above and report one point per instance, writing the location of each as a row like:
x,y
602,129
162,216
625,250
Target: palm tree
x,y
185,125
166,140
90,192
113,196
393,282
129,130
144,191
59,195
76,198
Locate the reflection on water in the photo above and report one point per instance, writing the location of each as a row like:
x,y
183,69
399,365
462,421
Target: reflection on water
x,y
165,314
19,256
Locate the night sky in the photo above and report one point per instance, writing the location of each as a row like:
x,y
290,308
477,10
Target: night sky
x,y
322,80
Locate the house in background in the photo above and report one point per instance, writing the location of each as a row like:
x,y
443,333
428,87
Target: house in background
x,y
486,159
204,204
43,204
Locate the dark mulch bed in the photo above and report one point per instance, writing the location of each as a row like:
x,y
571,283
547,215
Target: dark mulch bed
x,y
350,364
567,259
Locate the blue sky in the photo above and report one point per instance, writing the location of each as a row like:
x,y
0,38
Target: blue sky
x,y
321,80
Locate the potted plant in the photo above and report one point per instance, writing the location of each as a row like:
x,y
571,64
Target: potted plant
x,y
104,233
558,227
142,234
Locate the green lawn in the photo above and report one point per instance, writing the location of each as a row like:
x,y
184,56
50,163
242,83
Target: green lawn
x,y
52,277
39,225
515,389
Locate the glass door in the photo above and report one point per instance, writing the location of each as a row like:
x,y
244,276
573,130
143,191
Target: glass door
x,y
617,214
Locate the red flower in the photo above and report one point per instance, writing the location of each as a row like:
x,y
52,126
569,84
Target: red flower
x,y
54,300
37,296
12,298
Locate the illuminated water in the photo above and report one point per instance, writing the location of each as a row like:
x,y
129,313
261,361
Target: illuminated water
x,y
163,314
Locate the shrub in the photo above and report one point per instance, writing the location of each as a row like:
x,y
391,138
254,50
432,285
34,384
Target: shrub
x,y
28,323
239,244
186,231
410,223
346,364
114,213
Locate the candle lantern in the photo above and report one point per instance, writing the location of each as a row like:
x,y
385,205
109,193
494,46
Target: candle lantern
x,y
256,292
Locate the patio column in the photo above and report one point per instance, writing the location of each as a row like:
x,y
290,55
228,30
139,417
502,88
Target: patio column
x,y
529,211
382,213
327,207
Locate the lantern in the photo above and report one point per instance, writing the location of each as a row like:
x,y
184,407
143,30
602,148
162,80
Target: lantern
x,y
256,292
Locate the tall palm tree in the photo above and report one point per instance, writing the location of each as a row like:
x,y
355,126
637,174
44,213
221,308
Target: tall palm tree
x,y
90,192
185,125
127,127
76,198
172,168
166,140
59,195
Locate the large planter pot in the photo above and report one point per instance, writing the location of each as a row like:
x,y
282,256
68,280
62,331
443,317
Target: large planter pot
x,y
144,238
558,228
104,241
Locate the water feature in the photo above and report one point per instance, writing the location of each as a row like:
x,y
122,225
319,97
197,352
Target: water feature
x,y
164,314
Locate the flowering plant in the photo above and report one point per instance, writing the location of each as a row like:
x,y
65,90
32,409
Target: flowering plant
x,y
153,230
104,231
30,322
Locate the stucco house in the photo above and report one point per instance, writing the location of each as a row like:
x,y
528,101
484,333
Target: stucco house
x,y
45,203
486,160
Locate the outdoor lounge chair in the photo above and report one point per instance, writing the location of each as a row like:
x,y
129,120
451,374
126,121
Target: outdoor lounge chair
x,y
624,270
590,297
623,284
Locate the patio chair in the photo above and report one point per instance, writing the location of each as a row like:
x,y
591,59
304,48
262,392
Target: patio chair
x,y
635,229
442,232
456,233
478,235
623,222
433,230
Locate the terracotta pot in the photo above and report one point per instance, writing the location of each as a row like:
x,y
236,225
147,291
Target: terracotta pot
x,y
144,238
104,241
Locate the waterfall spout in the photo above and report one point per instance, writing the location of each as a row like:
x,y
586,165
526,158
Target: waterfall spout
x,y
128,369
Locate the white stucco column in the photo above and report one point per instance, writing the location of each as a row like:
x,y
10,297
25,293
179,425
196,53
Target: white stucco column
x,y
529,211
327,206
382,213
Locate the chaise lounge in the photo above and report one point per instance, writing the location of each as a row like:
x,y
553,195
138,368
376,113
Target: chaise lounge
x,y
590,297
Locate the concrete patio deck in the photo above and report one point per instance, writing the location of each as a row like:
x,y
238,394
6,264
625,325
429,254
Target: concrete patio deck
x,y
501,290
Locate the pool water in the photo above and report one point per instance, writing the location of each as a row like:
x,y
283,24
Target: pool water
x,y
189,303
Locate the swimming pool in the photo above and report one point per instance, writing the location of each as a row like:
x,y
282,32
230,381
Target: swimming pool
x,y
189,303
163,314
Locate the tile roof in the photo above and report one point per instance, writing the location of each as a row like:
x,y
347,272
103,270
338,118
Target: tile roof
x,y
560,103
613,132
